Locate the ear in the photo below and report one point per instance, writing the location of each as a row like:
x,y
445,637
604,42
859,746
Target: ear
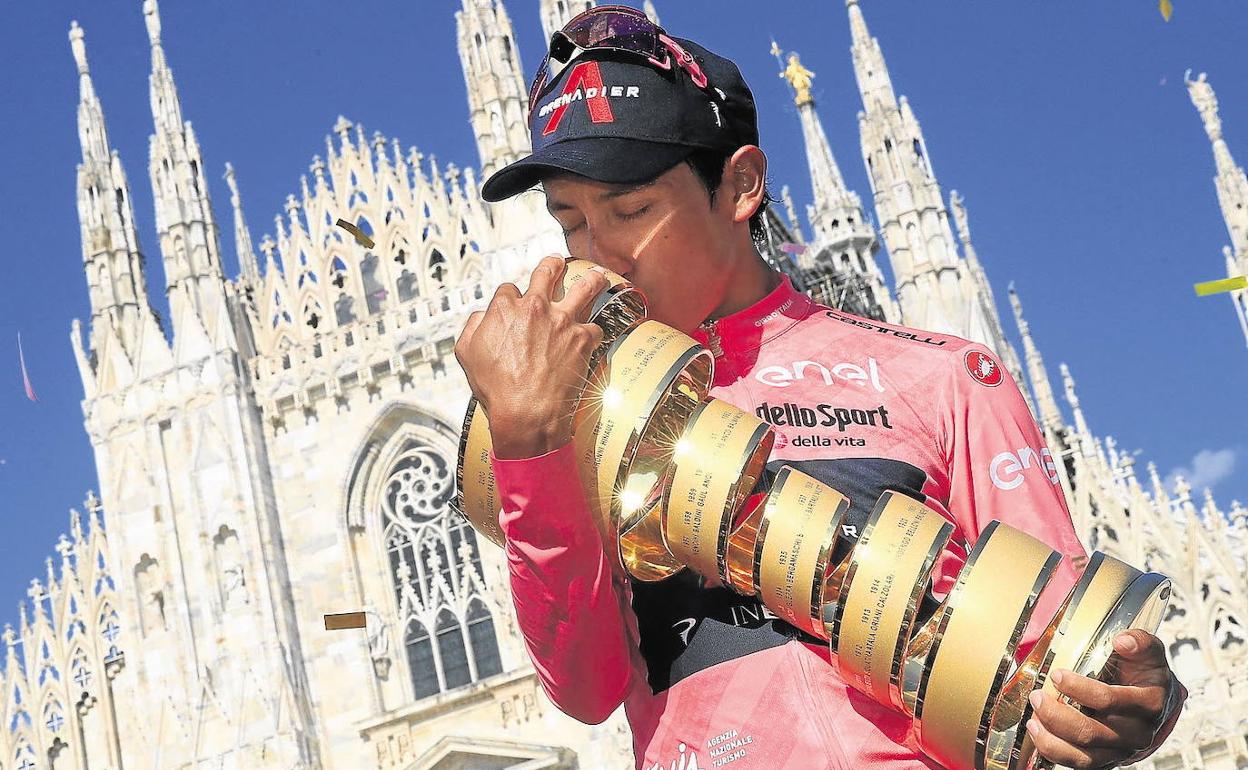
x,y
745,174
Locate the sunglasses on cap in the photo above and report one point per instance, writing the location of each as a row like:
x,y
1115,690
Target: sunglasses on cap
x,y
612,28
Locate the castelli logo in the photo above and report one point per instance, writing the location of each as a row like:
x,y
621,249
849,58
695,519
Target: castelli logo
x,y
984,368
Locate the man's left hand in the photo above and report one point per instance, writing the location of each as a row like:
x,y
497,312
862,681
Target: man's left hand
x,y
1121,722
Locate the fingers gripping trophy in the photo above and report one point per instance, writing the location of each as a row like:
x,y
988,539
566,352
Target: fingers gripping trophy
x,y
669,473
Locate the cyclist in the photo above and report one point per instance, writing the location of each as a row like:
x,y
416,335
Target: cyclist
x,y
646,148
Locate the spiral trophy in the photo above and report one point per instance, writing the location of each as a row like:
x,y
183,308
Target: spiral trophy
x,y
668,472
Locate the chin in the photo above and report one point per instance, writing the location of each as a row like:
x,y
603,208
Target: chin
x,y
681,321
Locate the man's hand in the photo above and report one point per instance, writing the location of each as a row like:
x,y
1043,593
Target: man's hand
x,y
526,357
1125,720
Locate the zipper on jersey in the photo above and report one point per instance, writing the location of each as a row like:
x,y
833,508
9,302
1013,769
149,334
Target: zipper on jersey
x,y
713,340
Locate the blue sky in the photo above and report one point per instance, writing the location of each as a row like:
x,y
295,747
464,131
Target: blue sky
x,y
1065,126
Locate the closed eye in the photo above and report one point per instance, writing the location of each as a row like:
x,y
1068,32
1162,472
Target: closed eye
x,y
635,214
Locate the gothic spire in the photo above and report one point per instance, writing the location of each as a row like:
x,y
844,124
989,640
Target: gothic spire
x,y
1081,424
843,241
556,13
189,241
498,100
1231,184
1050,414
936,289
874,84
166,109
242,236
110,243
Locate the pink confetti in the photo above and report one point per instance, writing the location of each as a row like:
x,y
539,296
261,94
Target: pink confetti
x,y
788,247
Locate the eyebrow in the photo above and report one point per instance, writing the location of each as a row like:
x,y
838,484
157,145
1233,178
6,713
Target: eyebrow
x,y
619,192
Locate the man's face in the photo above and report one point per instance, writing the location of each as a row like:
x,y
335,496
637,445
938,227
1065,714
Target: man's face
x,y
663,236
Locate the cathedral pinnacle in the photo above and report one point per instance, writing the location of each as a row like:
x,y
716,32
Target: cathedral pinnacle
x,y
151,17
110,251
1050,414
78,47
242,236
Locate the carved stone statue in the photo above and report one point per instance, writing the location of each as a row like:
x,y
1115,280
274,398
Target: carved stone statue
x,y
232,577
1206,102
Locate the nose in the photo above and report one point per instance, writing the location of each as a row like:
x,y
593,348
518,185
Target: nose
x,y
609,251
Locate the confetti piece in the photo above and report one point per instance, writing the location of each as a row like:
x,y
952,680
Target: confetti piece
x,y
1166,8
360,237
21,358
792,248
1218,287
343,620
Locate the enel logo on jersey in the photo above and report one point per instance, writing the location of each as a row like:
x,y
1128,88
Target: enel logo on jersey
x,y
1006,469
844,372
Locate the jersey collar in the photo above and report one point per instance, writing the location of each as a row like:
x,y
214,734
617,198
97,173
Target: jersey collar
x,y
747,329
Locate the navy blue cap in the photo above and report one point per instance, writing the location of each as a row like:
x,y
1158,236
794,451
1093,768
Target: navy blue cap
x,y
615,118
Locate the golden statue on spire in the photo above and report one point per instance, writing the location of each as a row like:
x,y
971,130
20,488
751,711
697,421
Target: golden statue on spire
x,y
799,77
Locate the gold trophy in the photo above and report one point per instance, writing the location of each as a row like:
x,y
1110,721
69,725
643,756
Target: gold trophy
x,y
668,472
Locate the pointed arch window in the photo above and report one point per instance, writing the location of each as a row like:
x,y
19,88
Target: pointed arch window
x,y
81,676
24,757
338,272
53,717
47,669
437,268
1227,630
438,580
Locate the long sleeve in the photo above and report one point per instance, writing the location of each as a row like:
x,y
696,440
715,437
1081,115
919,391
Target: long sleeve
x,y
1000,468
568,601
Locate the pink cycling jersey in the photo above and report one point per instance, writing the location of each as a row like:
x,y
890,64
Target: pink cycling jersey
x,y
709,678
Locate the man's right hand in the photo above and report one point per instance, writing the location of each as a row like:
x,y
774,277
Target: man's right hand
x,y
526,358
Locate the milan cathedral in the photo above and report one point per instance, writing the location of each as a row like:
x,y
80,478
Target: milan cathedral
x,y
288,450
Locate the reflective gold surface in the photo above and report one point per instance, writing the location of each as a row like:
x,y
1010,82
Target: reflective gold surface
x,y
716,464
742,543
642,389
1120,600
616,308
982,620
476,496
887,576
801,520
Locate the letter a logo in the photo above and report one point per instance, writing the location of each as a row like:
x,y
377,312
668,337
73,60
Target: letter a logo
x,y
587,79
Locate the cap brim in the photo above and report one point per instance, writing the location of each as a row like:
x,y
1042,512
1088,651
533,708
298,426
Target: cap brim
x,y
601,158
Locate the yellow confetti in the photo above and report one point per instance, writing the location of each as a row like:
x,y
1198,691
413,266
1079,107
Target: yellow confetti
x,y
360,237
1224,285
343,620
1166,8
